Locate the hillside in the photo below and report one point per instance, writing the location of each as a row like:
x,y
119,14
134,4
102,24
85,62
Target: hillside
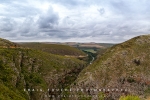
x,y
27,74
121,70
5,43
55,49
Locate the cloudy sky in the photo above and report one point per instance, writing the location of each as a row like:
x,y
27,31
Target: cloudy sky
x,y
106,21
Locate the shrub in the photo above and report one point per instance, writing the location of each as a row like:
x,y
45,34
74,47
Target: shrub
x,y
129,97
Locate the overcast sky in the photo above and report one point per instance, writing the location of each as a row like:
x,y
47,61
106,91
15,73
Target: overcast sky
x,y
106,21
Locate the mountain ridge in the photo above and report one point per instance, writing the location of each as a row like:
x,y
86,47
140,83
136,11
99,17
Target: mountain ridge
x,y
23,68
123,66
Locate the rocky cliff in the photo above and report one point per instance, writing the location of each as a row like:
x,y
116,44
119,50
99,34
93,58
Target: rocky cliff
x,y
27,74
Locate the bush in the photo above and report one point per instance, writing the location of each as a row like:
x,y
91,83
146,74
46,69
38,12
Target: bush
x,y
129,97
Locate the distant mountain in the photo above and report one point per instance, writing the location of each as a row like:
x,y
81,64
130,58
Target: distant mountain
x,y
89,45
30,74
123,69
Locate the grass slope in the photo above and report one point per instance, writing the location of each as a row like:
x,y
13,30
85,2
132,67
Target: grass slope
x,y
55,49
123,66
6,43
22,68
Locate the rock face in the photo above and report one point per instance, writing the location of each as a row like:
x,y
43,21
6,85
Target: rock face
x,y
124,69
27,74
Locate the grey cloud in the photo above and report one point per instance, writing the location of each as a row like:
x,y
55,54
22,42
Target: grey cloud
x,y
135,9
64,34
30,23
52,31
72,3
27,26
6,1
101,11
49,19
121,7
20,11
7,24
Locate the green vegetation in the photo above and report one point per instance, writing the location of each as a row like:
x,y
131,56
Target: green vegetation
x,y
101,96
125,64
82,96
54,49
90,50
106,45
7,94
147,91
129,97
94,51
6,43
23,68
